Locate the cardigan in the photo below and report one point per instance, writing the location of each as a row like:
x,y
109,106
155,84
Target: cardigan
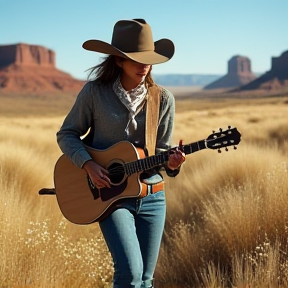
x,y
98,109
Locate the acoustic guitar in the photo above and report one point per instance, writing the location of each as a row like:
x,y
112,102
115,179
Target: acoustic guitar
x,y
82,203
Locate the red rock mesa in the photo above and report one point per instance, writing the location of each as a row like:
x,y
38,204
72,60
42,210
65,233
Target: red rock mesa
x,y
275,78
31,68
239,73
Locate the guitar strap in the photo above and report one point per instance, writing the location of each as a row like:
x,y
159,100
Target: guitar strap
x,y
152,118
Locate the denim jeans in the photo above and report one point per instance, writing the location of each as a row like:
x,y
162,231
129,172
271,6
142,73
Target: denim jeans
x,y
133,235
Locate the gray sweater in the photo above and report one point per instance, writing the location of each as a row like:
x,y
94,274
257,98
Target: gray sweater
x,y
99,109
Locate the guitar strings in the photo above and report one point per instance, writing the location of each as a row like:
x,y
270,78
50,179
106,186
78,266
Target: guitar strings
x,y
121,169
116,170
130,165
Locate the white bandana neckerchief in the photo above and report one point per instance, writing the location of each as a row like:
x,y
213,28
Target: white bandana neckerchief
x,y
133,100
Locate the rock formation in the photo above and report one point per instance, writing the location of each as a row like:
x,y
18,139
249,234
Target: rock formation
x,y
276,77
31,68
26,55
239,73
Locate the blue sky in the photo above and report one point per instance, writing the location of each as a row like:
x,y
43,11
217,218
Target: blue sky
x,y
206,33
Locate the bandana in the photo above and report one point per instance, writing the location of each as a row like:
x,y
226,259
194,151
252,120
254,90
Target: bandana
x,y
133,100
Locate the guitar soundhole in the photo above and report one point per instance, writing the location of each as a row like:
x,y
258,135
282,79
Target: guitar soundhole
x,y
116,173
119,184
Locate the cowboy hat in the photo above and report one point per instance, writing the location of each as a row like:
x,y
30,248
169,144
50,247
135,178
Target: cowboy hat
x,y
132,39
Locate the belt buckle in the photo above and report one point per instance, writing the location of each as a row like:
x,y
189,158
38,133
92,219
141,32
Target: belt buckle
x,y
149,189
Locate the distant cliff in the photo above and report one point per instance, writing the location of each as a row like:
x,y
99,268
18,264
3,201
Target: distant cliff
x,y
26,55
239,73
276,77
32,68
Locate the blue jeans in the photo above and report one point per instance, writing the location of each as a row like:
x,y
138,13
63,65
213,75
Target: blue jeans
x,y
133,235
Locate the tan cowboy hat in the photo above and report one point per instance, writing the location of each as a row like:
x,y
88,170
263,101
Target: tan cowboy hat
x,y
133,39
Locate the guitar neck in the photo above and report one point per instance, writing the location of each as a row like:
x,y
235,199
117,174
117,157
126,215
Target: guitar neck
x,y
158,160
194,147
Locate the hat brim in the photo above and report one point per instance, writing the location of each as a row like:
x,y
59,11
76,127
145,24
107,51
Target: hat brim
x,y
164,51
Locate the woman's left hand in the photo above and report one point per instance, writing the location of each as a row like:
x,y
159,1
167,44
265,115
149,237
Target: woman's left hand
x,y
176,158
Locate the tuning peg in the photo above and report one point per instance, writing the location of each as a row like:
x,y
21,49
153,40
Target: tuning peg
x,y
229,127
219,151
226,149
235,147
220,129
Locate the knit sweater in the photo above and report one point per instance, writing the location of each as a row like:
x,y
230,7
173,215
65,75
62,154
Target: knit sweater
x,y
99,109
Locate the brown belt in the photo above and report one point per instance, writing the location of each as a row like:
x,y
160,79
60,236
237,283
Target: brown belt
x,y
151,189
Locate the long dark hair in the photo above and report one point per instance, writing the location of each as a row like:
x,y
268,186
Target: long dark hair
x,y
108,71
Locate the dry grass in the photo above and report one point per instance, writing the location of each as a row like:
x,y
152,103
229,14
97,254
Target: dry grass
x,y
34,105
38,247
227,212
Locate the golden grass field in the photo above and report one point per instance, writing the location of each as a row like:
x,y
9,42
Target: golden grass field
x,y
227,216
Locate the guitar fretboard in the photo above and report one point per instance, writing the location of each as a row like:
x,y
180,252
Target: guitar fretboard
x,y
194,147
158,160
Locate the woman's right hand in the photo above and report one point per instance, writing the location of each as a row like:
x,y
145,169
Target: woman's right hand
x,y
97,174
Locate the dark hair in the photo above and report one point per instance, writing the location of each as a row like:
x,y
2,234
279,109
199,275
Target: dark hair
x,y
108,71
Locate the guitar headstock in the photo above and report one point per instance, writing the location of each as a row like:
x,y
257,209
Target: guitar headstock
x,y
223,138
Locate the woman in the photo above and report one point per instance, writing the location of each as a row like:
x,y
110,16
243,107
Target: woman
x,y
113,107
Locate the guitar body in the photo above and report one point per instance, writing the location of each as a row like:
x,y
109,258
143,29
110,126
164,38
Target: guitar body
x,y
82,203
